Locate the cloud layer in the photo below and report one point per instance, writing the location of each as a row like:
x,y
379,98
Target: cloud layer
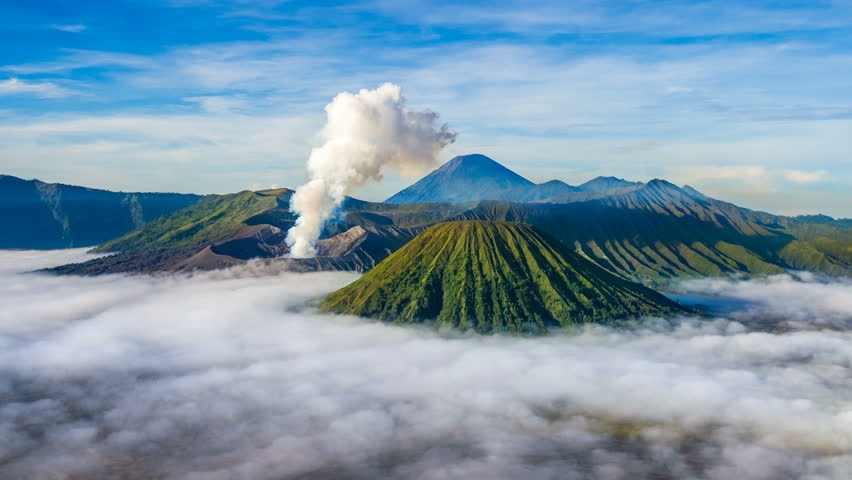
x,y
228,375
783,300
16,86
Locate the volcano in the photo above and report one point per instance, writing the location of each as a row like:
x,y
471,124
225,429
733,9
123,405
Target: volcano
x,y
494,277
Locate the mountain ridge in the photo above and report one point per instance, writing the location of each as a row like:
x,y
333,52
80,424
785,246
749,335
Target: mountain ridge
x,y
493,277
598,184
55,215
655,233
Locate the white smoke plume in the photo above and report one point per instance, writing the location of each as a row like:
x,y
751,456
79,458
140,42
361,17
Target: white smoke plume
x,y
365,132
226,375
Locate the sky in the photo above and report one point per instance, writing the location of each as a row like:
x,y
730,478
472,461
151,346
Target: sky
x,y
749,102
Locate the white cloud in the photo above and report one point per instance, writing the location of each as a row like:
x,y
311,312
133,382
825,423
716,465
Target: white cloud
x,y
800,176
220,152
693,173
546,111
678,18
219,103
16,86
228,375
76,59
70,28
786,300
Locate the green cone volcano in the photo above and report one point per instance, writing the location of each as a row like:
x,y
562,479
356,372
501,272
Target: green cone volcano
x,y
492,277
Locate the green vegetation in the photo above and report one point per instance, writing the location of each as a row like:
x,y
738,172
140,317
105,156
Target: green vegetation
x,y
658,233
406,214
492,277
201,224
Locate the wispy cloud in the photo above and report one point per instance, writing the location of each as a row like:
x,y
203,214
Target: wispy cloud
x,y
75,59
219,103
70,28
719,172
800,176
682,18
158,152
553,90
16,86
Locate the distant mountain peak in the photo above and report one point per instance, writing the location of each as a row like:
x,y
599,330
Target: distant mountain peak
x,y
659,182
553,183
477,177
464,178
599,184
473,158
481,165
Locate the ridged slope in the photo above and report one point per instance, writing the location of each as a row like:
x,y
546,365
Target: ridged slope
x,y
199,224
657,233
169,240
52,215
491,277
226,230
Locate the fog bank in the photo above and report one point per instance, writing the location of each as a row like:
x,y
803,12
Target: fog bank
x,y
229,375
782,299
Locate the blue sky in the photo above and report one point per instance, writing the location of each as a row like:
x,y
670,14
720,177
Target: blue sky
x,y
747,101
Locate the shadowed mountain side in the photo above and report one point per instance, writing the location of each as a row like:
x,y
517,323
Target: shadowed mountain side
x,y
169,242
585,196
659,232
477,177
404,215
357,249
540,192
599,184
492,277
213,219
38,215
825,220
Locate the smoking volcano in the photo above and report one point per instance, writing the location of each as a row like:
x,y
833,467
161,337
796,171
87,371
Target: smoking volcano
x,y
365,133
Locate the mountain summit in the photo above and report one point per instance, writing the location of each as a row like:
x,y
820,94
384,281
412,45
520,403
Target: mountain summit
x,y
477,177
600,184
464,178
493,277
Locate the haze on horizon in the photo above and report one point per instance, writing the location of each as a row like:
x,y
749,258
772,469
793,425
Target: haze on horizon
x,y
746,101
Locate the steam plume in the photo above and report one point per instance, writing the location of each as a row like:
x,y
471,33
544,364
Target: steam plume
x,y
365,132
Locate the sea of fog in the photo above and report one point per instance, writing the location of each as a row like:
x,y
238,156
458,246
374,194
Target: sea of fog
x,y
231,375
